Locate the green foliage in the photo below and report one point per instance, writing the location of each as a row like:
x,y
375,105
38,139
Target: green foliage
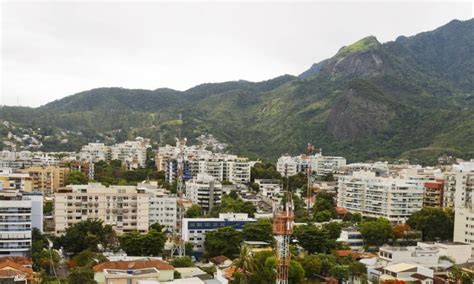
x,y
353,218
223,241
295,272
311,265
137,244
81,275
89,258
264,171
233,203
194,211
434,223
376,232
359,46
259,231
314,239
115,173
76,177
183,261
334,229
86,235
48,207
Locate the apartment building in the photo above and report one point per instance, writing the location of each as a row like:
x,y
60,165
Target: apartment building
x,y
393,198
126,208
352,238
12,180
162,206
433,194
205,191
321,165
19,214
460,184
95,152
269,187
131,153
194,229
46,178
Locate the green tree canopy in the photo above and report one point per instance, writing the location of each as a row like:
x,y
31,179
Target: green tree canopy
x,y
194,211
259,231
434,223
149,244
81,275
223,241
76,177
314,239
183,261
376,232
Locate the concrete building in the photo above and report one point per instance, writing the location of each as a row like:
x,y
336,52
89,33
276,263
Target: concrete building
x,y
95,152
352,238
269,187
19,214
194,229
433,194
13,180
458,252
460,184
320,165
162,206
46,179
131,153
393,198
144,269
205,191
126,208
408,273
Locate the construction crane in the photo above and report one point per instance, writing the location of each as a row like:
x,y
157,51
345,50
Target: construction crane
x,y
178,242
283,217
309,173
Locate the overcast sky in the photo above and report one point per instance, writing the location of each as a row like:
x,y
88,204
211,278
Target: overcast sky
x,y
54,49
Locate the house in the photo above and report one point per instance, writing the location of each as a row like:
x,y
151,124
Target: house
x,y
402,272
221,261
12,271
111,269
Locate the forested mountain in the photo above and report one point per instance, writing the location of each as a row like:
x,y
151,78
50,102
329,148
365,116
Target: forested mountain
x,y
410,98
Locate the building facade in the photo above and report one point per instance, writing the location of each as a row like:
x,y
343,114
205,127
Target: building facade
x,y
205,191
47,178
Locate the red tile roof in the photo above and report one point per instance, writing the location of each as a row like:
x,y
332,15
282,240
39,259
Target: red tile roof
x,y
9,268
219,259
17,259
136,264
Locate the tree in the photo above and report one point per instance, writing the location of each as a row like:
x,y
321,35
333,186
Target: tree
x,y
183,261
376,232
86,235
434,223
264,171
262,230
149,244
314,239
81,275
76,177
48,207
245,262
295,272
89,258
334,229
311,265
352,217
323,216
194,211
157,227
223,241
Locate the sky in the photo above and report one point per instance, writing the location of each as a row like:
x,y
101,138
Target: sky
x,y
52,49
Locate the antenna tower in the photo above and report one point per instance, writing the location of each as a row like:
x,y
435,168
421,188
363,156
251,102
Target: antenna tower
x,y
283,217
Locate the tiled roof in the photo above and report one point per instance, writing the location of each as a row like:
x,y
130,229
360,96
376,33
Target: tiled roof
x,y
17,259
15,266
137,264
219,259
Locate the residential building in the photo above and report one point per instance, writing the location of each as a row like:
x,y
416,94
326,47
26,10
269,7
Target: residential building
x,y
162,206
19,214
456,251
46,179
321,165
133,271
16,270
194,229
426,256
433,194
461,181
269,187
205,191
95,152
131,153
408,273
126,208
393,198
352,238
287,166
12,180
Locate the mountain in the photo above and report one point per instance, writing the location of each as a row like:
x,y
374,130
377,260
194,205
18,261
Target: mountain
x,y
409,98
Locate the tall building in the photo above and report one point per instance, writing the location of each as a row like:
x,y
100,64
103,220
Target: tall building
x,y
461,181
126,208
95,152
393,198
12,180
162,206
19,214
321,165
205,191
433,194
131,153
46,178
194,229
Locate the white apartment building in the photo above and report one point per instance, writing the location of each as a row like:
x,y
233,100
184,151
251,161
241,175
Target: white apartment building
x,y
131,153
194,229
19,214
352,238
95,152
461,181
162,206
205,191
393,198
269,187
321,165
126,208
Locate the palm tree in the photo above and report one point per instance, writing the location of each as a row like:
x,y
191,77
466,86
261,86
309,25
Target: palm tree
x,y
245,262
